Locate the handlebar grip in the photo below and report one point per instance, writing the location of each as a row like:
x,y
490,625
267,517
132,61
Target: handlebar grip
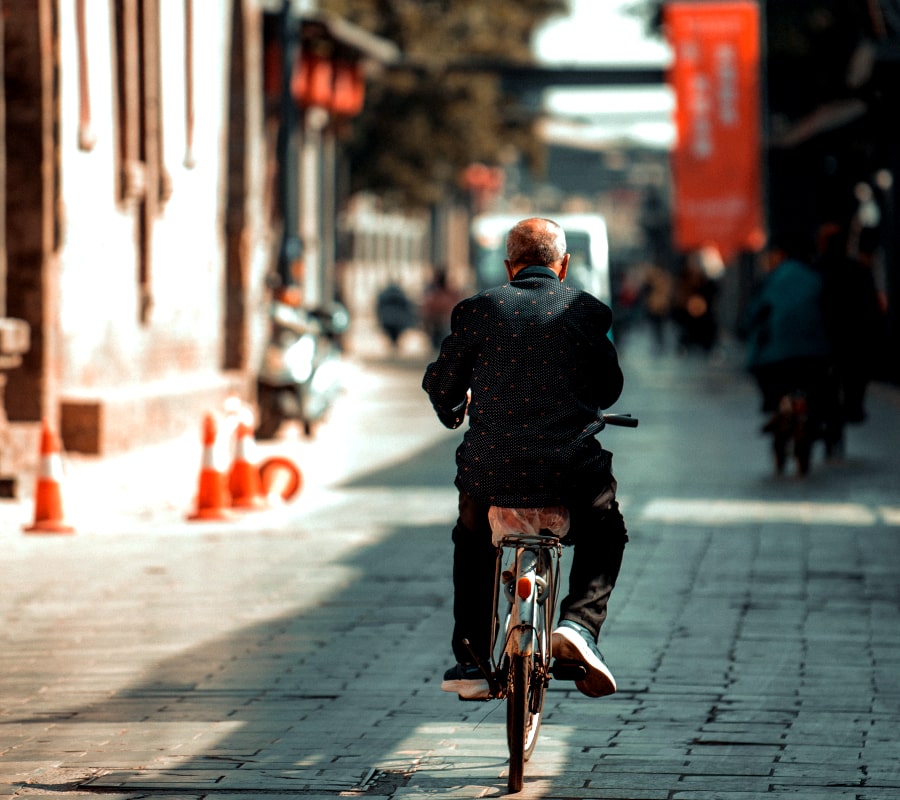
x,y
622,420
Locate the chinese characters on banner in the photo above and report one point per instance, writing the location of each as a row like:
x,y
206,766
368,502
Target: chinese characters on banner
x,y
716,162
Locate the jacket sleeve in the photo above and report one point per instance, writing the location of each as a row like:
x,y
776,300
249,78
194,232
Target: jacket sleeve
x,y
601,373
447,379
610,381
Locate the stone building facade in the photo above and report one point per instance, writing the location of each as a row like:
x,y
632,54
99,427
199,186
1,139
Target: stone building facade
x,y
136,229
145,178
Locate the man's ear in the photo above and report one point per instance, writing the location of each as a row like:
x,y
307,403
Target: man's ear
x,y
564,268
509,269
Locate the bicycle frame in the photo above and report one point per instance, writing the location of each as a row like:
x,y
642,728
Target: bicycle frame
x,y
526,589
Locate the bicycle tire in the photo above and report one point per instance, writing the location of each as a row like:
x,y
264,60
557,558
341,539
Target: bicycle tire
x,y
516,720
524,706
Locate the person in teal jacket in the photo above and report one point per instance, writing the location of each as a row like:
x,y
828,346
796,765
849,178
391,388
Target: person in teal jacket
x,y
788,347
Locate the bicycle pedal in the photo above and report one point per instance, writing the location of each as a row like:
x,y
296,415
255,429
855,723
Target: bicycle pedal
x,y
568,670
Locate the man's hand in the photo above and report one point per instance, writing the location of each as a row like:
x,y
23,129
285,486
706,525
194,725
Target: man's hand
x,y
454,418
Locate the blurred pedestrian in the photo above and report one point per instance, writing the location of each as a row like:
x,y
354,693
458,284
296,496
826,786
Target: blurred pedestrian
x,y
395,311
437,305
656,291
627,304
855,324
694,306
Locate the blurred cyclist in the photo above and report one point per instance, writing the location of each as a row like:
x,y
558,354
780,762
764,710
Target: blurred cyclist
x,y
788,349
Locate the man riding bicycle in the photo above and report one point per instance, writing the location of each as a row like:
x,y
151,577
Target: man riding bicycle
x,y
532,366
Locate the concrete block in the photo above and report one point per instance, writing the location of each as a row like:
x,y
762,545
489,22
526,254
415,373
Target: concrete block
x,y
119,419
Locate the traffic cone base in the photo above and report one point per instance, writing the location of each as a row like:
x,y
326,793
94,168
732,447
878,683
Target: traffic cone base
x,y
242,475
211,515
49,527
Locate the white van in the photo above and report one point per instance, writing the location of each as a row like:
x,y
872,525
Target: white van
x,y
586,242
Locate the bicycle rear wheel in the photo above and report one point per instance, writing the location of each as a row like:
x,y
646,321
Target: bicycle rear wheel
x,y
524,705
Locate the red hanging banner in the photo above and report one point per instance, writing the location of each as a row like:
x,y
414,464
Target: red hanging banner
x,y
716,162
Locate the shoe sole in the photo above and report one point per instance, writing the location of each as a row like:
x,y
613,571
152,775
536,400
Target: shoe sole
x,y
468,690
570,646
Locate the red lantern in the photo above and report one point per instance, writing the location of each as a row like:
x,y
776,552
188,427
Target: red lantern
x,y
348,89
483,182
476,177
311,83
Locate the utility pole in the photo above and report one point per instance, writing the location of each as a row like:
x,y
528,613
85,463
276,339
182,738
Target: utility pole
x,y
291,250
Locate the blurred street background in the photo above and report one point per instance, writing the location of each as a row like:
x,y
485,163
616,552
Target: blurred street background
x,y
263,210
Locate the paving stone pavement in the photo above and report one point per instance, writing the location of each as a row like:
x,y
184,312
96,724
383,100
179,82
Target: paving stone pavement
x,y
754,632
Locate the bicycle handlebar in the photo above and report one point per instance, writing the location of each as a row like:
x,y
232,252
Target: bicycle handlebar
x,y
622,420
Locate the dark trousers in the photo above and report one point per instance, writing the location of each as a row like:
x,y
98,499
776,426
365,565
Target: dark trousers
x,y
599,538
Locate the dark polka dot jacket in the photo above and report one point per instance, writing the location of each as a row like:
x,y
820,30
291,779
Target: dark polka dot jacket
x,y
536,357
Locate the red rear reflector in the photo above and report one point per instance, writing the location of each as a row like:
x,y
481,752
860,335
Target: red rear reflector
x,y
523,588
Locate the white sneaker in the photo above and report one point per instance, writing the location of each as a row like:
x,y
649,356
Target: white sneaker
x,y
572,642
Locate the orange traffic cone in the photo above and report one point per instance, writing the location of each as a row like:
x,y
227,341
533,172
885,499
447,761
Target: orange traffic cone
x,y
212,491
243,478
48,513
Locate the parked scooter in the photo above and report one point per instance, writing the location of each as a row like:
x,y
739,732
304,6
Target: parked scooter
x,y
300,376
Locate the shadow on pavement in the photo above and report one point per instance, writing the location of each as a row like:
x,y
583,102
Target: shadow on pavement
x,y
339,695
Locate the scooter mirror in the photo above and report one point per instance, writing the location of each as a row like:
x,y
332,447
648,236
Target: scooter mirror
x,y
340,318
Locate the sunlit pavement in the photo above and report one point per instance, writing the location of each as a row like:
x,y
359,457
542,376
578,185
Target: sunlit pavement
x,y
755,631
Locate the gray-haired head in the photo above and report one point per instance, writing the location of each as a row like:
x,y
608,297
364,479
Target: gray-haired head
x,y
535,241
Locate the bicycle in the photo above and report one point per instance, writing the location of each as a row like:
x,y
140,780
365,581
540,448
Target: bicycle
x,y
795,426
529,544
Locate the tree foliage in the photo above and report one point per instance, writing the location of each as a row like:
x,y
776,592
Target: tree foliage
x,y
428,118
